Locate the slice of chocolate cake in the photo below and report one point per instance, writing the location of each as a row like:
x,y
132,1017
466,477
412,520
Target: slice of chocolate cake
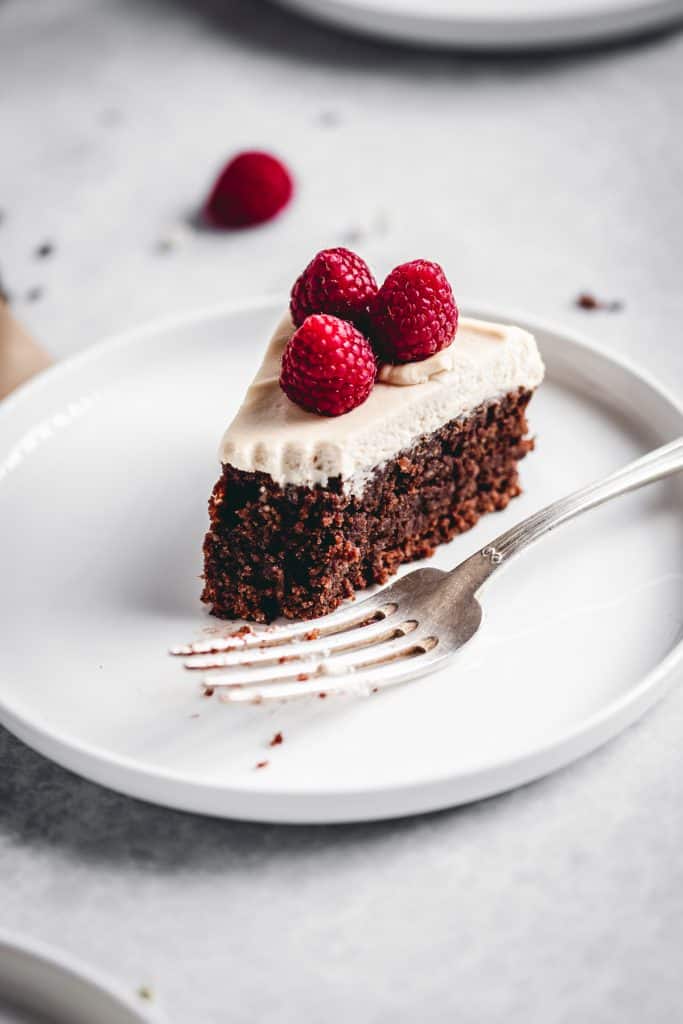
x,y
310,508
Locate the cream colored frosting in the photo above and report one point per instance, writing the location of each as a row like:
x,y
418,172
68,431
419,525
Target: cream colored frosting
x,y
273,435
445,361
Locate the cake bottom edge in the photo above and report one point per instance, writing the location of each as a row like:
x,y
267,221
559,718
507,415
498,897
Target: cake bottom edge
x,y
298,552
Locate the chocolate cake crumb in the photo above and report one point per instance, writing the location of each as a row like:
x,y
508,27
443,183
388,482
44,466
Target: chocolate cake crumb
x,y
277,739
208,691
329,118
313,634
586,300
305,550
242,631
261,764
44,250
5,295
172,238
303,677
353,236
322,695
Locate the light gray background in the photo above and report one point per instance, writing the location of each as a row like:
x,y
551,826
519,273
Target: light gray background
x,y
530,179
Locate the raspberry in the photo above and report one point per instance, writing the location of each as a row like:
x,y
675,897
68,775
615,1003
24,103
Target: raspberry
x,y
253,187
336,281
328,366
414,313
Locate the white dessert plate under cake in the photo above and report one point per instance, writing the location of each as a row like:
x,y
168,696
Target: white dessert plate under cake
x,y
106,462
39,985
495,24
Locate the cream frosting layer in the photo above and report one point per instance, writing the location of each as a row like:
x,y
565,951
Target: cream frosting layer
x,y
272,435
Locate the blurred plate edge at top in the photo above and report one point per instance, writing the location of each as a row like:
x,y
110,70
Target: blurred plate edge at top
x,y
506,26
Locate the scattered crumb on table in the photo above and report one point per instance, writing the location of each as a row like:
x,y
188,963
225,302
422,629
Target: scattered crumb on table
x,y
329,118
586,300
44,250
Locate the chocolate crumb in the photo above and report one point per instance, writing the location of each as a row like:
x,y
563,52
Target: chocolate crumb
x,y
303,676
44,250
313,634
174,237
375,689
242,631
322,695
145,992
586,300
353,236
208,691
34,294
261,764
277,739
329,118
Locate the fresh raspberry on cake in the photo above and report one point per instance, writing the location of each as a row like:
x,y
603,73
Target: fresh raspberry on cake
x,y
328,366
252,188
336,281
414,313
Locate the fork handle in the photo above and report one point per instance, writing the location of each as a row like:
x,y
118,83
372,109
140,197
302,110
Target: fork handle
x,y
660,463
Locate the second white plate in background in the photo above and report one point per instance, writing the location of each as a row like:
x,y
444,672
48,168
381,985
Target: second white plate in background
x,y
495,24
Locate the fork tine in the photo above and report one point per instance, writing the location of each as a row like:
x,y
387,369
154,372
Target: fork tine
x,y
399,662
323,663
350,639
373,608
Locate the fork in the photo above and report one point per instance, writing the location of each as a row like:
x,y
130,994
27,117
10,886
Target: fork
x,y
411,628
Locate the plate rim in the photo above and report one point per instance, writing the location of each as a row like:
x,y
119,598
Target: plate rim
x,y
136,776
72,965
609,21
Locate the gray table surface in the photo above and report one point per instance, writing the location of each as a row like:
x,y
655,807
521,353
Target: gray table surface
x,y
530,179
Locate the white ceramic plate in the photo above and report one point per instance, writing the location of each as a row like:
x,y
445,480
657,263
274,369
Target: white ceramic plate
x,y
495,24
106,464
38,985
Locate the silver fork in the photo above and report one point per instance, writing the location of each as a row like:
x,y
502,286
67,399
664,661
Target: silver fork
x,y
405,631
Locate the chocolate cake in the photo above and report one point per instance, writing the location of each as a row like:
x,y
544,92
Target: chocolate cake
x,y
310,508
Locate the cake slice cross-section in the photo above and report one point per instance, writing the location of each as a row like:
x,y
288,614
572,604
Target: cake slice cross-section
x,y
309,509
